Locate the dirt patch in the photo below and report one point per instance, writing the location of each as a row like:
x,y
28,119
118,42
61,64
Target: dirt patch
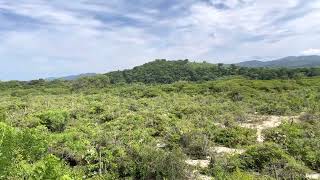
x,y
313,176
203,177
198,163
266,122
226,150
195,175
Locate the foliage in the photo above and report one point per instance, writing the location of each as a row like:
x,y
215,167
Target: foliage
x,y
54,120
302,141
163,71
235,137
270,159
103,128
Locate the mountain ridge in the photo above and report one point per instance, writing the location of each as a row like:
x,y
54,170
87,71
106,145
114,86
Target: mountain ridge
x,y
71,77
286,62
155,66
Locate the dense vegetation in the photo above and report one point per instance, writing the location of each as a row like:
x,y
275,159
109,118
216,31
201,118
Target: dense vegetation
x,y
162,71
104,128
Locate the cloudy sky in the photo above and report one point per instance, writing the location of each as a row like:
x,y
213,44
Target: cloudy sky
x,y
43,38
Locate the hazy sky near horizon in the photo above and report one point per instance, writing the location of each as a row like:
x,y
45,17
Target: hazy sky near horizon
x,y
44,38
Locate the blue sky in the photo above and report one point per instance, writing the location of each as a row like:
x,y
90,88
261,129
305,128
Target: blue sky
x,y
44,38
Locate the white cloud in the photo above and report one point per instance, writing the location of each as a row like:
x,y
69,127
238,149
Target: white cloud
x,y
311,51
98,36
256,28
50,14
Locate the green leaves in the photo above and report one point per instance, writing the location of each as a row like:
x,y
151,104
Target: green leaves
x,y
155,163
235,137
301,141
3,114
20,150
50,167
54,120
8,145
144,131
270,159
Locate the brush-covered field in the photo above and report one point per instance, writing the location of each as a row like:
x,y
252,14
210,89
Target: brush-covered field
x,y
232,128
164,120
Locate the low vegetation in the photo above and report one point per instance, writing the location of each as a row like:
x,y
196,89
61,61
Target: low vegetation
x,y
143,127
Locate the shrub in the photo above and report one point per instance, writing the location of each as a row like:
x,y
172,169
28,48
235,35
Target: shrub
x,y
299,140
235,136
271,160
235,96
54,120
308,117
195,144
7,148
273,109
50,168
3,115
240,175
155,163
19,150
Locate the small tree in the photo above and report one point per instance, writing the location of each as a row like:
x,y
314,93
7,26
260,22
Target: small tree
x,y
54,120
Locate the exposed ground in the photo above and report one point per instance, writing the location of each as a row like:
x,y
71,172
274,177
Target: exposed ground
x,y
226,150
259,123
313,176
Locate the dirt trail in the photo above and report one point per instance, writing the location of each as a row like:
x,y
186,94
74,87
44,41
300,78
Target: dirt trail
x,y
204,163
313,176
195,175
226,150
266,122
203,177
259,123
199,163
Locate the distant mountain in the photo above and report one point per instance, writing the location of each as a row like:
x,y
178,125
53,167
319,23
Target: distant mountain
x,y
289,62
72,77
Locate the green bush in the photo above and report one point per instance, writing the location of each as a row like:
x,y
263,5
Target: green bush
x,y
235,136
241,175
50,168
158,164
271,160
54,120
3,115
195,144
20,150
8,146
301,141
274,108
99,130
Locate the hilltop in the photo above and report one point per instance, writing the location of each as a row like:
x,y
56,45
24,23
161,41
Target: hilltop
x,y
169,71
71,77
287,62
163,71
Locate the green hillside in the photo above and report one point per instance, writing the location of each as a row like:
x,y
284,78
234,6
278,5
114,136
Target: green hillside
x,y
163,120
163,71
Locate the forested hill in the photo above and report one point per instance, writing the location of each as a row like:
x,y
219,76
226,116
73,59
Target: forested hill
x,y
173,70
167,72
287,62
163,71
